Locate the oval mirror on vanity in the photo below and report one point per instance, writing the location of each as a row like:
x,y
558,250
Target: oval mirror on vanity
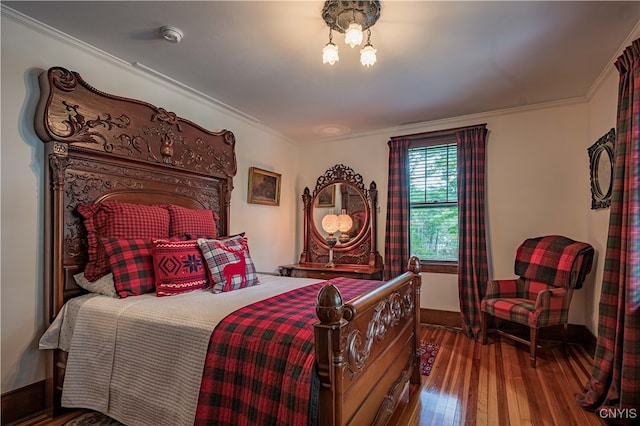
x,y
346,245
341,198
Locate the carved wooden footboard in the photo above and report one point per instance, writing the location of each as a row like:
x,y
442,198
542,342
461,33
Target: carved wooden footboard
x,y
367,350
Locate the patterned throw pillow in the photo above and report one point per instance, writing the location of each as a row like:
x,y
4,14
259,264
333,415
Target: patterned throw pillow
x,y
114,219
198,222
229,262
131,262
178,267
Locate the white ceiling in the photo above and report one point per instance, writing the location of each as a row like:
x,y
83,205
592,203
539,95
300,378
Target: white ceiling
x,y
435,59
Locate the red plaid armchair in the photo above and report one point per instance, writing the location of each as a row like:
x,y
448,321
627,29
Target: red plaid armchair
x,y
549,269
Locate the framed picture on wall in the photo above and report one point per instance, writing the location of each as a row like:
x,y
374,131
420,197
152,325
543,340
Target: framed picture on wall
x,y
264,187
327,197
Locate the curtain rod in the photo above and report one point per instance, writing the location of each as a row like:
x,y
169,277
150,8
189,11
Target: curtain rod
x,y
437,132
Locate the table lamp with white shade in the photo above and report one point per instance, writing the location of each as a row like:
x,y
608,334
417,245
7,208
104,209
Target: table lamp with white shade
x,y
330,226
344,225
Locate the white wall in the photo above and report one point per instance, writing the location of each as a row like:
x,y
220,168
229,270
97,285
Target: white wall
x,y
25,53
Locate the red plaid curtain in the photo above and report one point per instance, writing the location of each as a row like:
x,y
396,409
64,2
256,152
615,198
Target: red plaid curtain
x,y
614,386
396,243
473,272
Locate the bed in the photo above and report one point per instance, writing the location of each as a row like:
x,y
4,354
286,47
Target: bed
x,y
106,153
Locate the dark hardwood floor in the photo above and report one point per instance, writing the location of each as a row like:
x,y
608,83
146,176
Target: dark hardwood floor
x,y
492,385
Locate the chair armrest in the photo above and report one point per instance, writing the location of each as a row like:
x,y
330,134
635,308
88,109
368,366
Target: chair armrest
x,y
497,289
551,298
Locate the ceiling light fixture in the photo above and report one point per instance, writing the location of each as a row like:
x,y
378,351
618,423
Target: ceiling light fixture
x,y
171,34
350,18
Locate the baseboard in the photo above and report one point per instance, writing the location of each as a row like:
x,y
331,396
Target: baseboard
x,y
581,335
23,403
437,317
578,334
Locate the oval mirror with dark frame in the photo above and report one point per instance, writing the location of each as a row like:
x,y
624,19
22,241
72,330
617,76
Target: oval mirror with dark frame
x,y
601,169
340,194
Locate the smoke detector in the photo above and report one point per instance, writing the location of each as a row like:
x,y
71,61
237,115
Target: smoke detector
x,y
171,34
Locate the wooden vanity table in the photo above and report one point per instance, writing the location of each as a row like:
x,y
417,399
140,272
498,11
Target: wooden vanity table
x,y
340,189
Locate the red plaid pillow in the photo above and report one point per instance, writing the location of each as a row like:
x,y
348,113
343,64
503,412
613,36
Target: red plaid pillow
x,y
131,262
191,221
114,219
229,263
178,267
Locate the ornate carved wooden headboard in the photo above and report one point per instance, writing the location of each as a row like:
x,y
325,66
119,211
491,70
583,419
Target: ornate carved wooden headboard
x,y
100,146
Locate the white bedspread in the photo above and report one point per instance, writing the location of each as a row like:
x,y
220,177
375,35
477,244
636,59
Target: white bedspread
x,y
140,359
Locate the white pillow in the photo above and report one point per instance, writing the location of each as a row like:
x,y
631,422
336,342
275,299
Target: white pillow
x,y
103,285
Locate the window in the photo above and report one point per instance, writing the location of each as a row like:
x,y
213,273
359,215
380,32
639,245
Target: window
x,y
433,197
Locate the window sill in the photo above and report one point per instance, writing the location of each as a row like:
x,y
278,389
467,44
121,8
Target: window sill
x,y
439,267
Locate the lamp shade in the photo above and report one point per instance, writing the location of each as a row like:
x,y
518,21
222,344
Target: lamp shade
x,y
353,35
344,221
330,54
368,55
330,223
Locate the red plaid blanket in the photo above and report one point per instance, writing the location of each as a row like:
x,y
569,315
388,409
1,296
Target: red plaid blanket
x,y
554,260
258,368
